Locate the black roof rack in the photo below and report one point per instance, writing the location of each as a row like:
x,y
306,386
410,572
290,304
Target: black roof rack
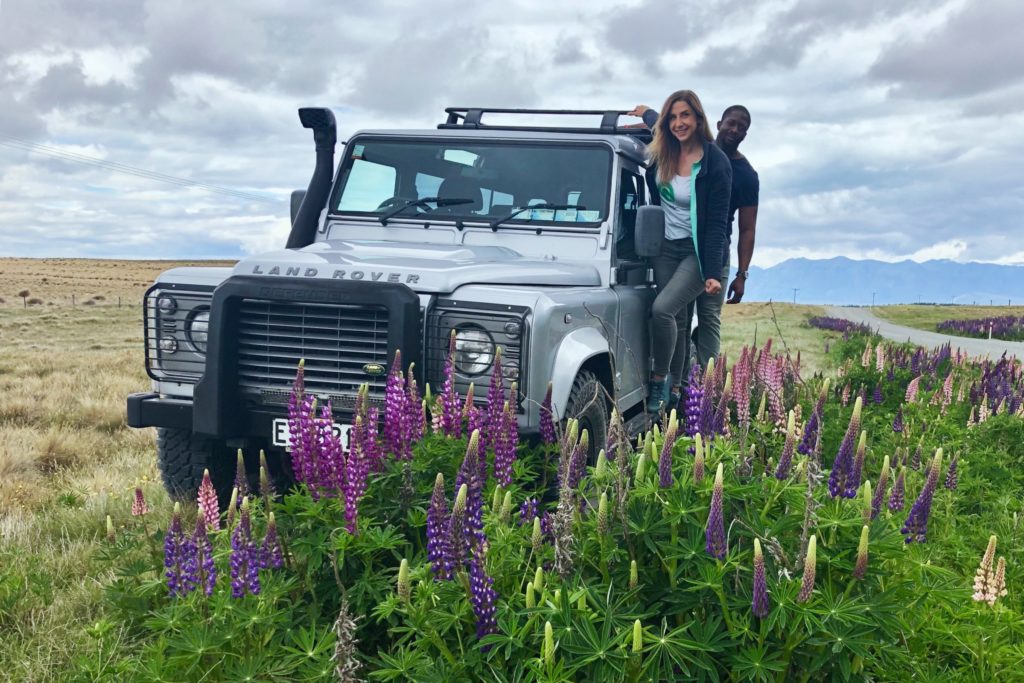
x,y
470,117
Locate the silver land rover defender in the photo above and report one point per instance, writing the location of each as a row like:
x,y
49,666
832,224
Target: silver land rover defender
x,y
519,237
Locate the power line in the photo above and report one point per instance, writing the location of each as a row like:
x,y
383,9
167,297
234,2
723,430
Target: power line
x,y
117,167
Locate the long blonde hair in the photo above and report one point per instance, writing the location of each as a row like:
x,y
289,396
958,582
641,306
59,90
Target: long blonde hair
x,y
664,149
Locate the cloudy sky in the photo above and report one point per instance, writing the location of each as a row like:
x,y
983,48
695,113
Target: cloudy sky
x,y
881,129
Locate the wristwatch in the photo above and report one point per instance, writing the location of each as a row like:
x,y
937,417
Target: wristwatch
x,y
743,274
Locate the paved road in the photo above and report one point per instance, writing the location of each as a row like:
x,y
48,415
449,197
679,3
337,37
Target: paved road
x,y
991,348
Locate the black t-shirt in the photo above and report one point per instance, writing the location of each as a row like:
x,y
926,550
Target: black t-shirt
x,y
745,188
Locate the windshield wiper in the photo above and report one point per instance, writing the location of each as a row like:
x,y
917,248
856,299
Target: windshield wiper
x,y
440,201
557,207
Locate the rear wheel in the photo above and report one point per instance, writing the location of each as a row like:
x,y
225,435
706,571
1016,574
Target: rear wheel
x,y
587,404
182,456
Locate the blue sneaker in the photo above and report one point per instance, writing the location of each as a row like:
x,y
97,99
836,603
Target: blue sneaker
x,y
656,394
672,403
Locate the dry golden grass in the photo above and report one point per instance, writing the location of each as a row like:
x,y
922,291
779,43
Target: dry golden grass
x,y
927,317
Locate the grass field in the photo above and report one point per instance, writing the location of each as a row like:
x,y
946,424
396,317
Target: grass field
x,y
67,458
926,317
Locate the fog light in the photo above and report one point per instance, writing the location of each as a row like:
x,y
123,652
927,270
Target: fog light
x,y
513,329
166,305
510,372
168,344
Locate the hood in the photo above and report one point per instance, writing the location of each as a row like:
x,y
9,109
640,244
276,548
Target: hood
x,y
438,268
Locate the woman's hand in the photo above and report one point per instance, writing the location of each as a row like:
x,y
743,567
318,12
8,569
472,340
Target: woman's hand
x,y
712,286
638,110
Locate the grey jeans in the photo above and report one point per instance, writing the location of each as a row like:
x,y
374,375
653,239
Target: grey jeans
x,y
677,274
708,335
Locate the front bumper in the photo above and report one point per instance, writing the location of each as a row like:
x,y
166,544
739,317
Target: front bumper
x,y
148,409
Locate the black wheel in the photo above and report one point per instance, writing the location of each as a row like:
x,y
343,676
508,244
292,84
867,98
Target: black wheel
x,y
588,405
182,457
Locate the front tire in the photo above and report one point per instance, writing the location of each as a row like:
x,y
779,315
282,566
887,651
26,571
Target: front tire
x,y
587,404
182,456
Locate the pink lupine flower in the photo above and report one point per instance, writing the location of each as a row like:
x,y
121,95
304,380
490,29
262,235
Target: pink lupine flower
x,y
912,389
416,414
396,410
547,422
786,459
505,446
495,404
450,422
990,585
139,506
208,503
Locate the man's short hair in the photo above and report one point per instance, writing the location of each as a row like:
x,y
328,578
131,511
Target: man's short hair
x,y
736,107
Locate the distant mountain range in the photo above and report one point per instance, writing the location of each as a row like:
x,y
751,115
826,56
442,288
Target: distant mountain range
x,y
844,281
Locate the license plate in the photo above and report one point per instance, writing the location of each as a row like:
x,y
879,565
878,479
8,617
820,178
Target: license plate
x,y
280,436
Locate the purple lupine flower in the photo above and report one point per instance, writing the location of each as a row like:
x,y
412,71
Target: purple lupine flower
x,y
505,447
665,459
372,450
328,466
206,570
760,601
395,410
853,482
175,556
714,533
415,417
786,459
547,422
269,556
495,405
898,493
861,568
244,562
139,507
471,474
438,540
694,399
810,562
356,471
915,460
877,396
708,403
897,422
482,594
841,466
916,526
528,510
809,434
578,460
303,435
741,387
458,531
951,475
883,481
450,407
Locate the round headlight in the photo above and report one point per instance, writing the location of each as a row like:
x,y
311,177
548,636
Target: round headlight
x,y
168,344
198,329
474,351
166,304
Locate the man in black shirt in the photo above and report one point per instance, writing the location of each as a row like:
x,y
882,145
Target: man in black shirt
x,y
732,130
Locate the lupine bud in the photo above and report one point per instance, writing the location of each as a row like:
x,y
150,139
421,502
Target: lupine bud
x,y
714,533
581,604
557,597
602,515
641,467
853,483
760,601
602,465
404,583
111,536
531,596
866,507
139,506
506,508
538,579
638,637
549,644
208,502
862,555
537,538
698,459
241,478
634,575
496,499
232,508
761,406
807,584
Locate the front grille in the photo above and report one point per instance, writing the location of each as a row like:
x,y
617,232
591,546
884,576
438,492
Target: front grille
x,y
336,341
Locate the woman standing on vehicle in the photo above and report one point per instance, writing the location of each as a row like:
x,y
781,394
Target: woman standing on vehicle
x,y
690,177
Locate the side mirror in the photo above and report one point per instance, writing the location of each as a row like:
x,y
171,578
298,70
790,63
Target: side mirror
x,y
297,197
650,231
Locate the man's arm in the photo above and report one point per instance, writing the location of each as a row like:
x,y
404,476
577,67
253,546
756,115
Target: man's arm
x,y
745,247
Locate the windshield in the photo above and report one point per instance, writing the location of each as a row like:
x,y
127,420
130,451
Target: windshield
x,y
424,178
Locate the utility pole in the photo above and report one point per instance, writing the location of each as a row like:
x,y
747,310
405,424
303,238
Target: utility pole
x,y
872,299
795,290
